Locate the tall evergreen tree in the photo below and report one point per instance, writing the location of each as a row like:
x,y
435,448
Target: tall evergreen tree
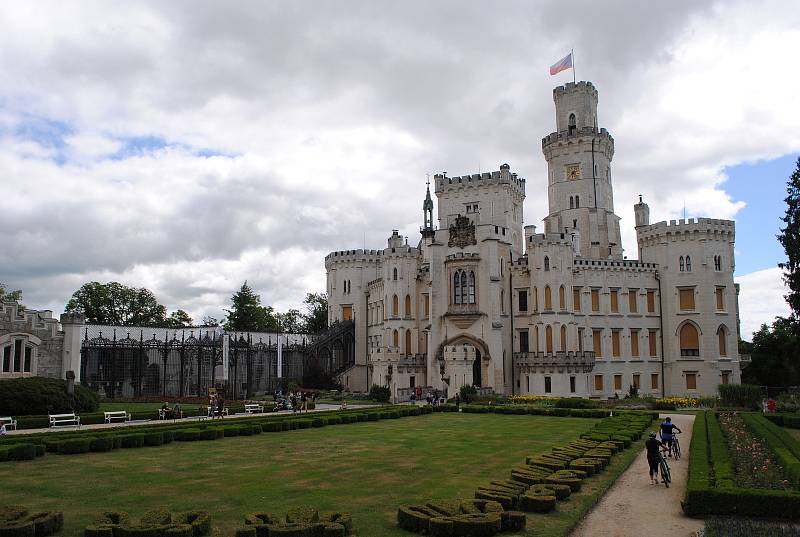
x,y
790,239
316,316
248,315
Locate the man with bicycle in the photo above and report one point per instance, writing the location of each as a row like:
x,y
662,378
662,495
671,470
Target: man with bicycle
x,y
653,446
667,435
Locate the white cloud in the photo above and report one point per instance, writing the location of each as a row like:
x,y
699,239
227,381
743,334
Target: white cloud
x,y
330,118
761,299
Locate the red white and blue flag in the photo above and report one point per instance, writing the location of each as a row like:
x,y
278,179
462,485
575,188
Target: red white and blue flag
x,y
562,65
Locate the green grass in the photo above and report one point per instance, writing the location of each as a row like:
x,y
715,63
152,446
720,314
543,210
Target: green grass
x,y
366,468
794,432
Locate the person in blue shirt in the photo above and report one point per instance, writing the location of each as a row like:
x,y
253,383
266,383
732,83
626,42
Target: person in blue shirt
x,y
667,433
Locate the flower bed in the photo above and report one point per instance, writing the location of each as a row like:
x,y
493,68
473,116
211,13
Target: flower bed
x,y
540,400
754,463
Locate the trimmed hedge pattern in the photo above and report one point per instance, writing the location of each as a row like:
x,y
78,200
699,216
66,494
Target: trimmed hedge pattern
x,y
155,523
710,488
298,522
533,487
17,521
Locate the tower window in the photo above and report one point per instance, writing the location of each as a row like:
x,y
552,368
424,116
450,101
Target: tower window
x,y
546,263
717,262
572,124
688,264
681,264
394,273
571,202
577,202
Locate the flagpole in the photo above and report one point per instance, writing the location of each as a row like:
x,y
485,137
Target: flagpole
x,y
572,53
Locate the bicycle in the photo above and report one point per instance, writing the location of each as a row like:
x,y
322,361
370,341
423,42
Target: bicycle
x,y
663,467
675,448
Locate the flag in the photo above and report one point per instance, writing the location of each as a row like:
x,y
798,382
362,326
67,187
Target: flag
x,y
562,65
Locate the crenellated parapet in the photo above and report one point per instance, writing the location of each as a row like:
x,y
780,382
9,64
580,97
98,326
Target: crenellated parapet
x,y
583,86
15,314
614,265
540,240
504,176
368,256
690,228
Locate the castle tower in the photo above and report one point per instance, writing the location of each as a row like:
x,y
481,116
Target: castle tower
x,y
427,214
579,157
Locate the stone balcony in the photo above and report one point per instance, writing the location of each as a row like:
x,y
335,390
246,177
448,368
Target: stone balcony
x,y
554,362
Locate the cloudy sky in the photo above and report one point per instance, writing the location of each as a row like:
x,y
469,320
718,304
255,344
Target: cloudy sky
x,y
188,146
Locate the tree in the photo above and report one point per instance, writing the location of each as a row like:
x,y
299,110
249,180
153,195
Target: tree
x,y
316,316
208,320
178,319
248,315
291,322
774,355
789,238
117,304
9,296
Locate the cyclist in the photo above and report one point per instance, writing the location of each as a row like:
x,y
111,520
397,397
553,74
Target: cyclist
x,y
666,434
653,446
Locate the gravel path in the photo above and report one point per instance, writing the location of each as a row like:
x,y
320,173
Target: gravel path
x,y
633,507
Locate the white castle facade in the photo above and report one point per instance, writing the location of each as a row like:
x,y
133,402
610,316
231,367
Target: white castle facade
x,y
483,301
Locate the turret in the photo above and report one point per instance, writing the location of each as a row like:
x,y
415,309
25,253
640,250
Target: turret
x,y
427,214
642,213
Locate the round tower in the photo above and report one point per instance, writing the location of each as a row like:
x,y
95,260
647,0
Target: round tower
x,y
579,157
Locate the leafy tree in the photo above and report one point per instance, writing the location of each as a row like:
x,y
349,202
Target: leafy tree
x,y
248,315
790,240
9,296
291,322
316,316
208,320
774,355
117,304
178,319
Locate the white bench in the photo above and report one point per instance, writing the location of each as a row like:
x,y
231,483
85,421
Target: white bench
x,y
252,408
117,415
64,420
9,423
214,412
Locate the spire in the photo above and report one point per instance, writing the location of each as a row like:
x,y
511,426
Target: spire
x,y
427,210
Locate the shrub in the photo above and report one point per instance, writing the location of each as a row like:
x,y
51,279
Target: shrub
x,y
102,443
575,402
21,452
156,517
467,393
272,427
76,445
740,395
200,522
317,422
132,440
42,396
209,434
153,439
382,394
245,531
230,431
513,521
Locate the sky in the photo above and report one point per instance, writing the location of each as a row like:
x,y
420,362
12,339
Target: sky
x,y
189,146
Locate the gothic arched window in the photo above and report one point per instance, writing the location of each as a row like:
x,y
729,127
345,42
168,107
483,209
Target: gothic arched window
x,y
395,339
464,287
471,290
562,298
457,288
563,338
394,273
548,338
680,264
577,203
571,202
408,342
548,298
408,305
689,340
717,262
721,341
688,264
572,124
546,263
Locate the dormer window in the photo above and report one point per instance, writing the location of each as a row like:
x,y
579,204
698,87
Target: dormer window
x,y
572,125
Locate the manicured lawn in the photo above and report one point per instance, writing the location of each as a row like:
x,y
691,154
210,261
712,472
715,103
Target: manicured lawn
x,y
794,432
366,468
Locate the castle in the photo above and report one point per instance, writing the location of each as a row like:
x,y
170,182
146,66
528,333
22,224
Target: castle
x,y
483,301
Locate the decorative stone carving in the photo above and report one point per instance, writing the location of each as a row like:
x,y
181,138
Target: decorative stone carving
x,y
462,233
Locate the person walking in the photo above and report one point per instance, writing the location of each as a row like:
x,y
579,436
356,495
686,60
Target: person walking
x,y
458,403
220,406
303,402
653,446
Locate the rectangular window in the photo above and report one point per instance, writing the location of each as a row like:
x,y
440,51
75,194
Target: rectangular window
x,y
718,294
691,381
597,343
636,380
528,380
653,339
548,385
635,343
576,299
615,343
726,377
524,342
686,299
651,301
523,300
427,305
7,359
617,382
654,381
598,383
17,356
580,339
26,366
412,381
633,306
572,384
595,300
347,313
614,301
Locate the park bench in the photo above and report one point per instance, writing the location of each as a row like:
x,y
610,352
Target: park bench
x,y
252,408
117,415
64,420
9,422
171,413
